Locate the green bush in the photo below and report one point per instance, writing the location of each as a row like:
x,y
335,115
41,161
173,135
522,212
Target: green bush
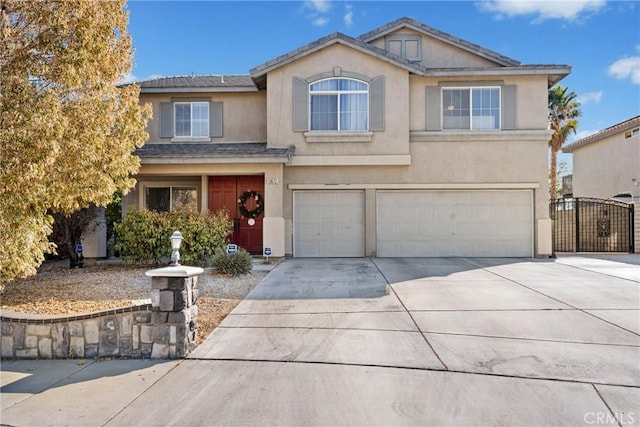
x,y
237,263
144,235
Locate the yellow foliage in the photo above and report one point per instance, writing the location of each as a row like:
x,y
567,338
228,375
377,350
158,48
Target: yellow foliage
x,y
67,130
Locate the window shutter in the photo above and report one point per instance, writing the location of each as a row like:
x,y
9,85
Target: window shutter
x,y
434,108
300,105
215,119
508,107
376,104
166,120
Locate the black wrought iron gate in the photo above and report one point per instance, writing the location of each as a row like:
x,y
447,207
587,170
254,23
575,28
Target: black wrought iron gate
x,y
591,225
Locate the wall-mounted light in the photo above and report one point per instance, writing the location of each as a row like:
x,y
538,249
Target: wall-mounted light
x,y
451,107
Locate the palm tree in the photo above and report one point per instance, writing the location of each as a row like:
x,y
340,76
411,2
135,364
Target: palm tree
x,y
564,109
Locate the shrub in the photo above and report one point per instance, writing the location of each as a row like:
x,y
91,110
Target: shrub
x,y
237,263
144,235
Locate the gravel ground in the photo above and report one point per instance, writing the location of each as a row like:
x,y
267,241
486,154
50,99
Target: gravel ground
x,y
58,290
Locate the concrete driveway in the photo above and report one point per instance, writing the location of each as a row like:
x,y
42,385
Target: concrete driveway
x,y
415,342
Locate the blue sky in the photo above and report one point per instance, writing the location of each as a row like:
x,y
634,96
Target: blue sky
x,y
599,39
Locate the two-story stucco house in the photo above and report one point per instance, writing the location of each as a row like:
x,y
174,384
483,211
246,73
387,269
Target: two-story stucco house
x,y
405,141
607,163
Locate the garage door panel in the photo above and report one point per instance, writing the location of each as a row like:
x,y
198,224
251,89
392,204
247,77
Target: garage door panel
x,y
328,223
454,223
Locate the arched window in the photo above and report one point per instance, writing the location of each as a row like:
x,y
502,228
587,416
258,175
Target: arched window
x,y
339,104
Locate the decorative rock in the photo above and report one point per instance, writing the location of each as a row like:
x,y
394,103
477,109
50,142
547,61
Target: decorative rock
x,y
7,329
90,350
126,346
41,330
142,318
44,348
145,350
31,341
6,347
75,329
159,283
76,347
161,334
159,317
60,336
155,298
30,353
146,334
91,332
160,351
108,343
126,321
109,324
166,301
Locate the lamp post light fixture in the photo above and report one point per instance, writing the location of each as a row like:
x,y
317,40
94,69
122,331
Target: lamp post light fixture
x,y
176,241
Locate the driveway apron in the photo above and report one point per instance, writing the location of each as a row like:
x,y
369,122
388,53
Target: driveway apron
x,y
388,342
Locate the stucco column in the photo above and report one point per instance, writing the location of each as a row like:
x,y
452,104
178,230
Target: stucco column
x,y
273,222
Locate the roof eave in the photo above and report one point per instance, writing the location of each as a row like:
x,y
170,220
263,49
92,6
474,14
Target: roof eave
x,y
554,72
210,89
599,136
259,72
441,36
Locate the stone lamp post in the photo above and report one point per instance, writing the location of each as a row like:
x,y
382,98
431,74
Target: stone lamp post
x,y
174,293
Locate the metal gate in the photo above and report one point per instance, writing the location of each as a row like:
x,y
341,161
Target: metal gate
x,y
591,225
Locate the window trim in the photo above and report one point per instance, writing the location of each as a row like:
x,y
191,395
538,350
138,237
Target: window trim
x,y
471,89
338,93
191,137
142,199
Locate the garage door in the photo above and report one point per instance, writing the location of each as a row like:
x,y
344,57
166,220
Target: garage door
x,y
454,223
328,223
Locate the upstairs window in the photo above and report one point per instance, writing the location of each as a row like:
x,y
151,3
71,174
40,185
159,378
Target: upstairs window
x,y
191,119
339,105
475,108
185,119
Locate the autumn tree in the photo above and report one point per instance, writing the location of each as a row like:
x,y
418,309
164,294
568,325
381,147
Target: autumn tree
x,y
564,110
67,130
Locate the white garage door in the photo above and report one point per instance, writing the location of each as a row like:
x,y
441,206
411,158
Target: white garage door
x,y
454,223
328,223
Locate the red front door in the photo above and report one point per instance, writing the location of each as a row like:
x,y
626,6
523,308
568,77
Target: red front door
x,y
238,195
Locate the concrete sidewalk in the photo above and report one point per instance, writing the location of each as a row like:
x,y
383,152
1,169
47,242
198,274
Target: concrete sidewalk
x,y
379,342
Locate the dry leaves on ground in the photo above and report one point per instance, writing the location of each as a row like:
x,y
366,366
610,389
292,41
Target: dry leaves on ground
x,y
58,290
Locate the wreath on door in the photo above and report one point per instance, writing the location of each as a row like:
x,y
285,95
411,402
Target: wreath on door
x,y
259,202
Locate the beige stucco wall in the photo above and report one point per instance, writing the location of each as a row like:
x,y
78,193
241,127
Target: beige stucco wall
x,y
438,54
605,168
393,140
244,115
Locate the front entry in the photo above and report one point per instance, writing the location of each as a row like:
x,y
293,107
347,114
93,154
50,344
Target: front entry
x,y
243,198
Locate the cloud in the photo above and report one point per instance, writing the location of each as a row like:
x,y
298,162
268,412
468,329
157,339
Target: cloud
x,y
129,78
320,21
569,10
348,16
627,67
320,6
590,97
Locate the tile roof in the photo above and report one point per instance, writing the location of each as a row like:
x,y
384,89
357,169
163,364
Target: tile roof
x,y
440,35
196,83
211,150
257,73
611,130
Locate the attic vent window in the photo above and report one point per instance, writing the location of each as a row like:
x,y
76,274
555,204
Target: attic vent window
x,y
407,46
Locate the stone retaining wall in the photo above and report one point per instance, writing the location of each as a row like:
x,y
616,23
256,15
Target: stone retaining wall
x,y
126,332
166,328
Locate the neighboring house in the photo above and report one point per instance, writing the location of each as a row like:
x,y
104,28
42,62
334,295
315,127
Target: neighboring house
x,y
405,141
607,163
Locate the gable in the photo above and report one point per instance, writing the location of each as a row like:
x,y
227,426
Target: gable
x,y
433,52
